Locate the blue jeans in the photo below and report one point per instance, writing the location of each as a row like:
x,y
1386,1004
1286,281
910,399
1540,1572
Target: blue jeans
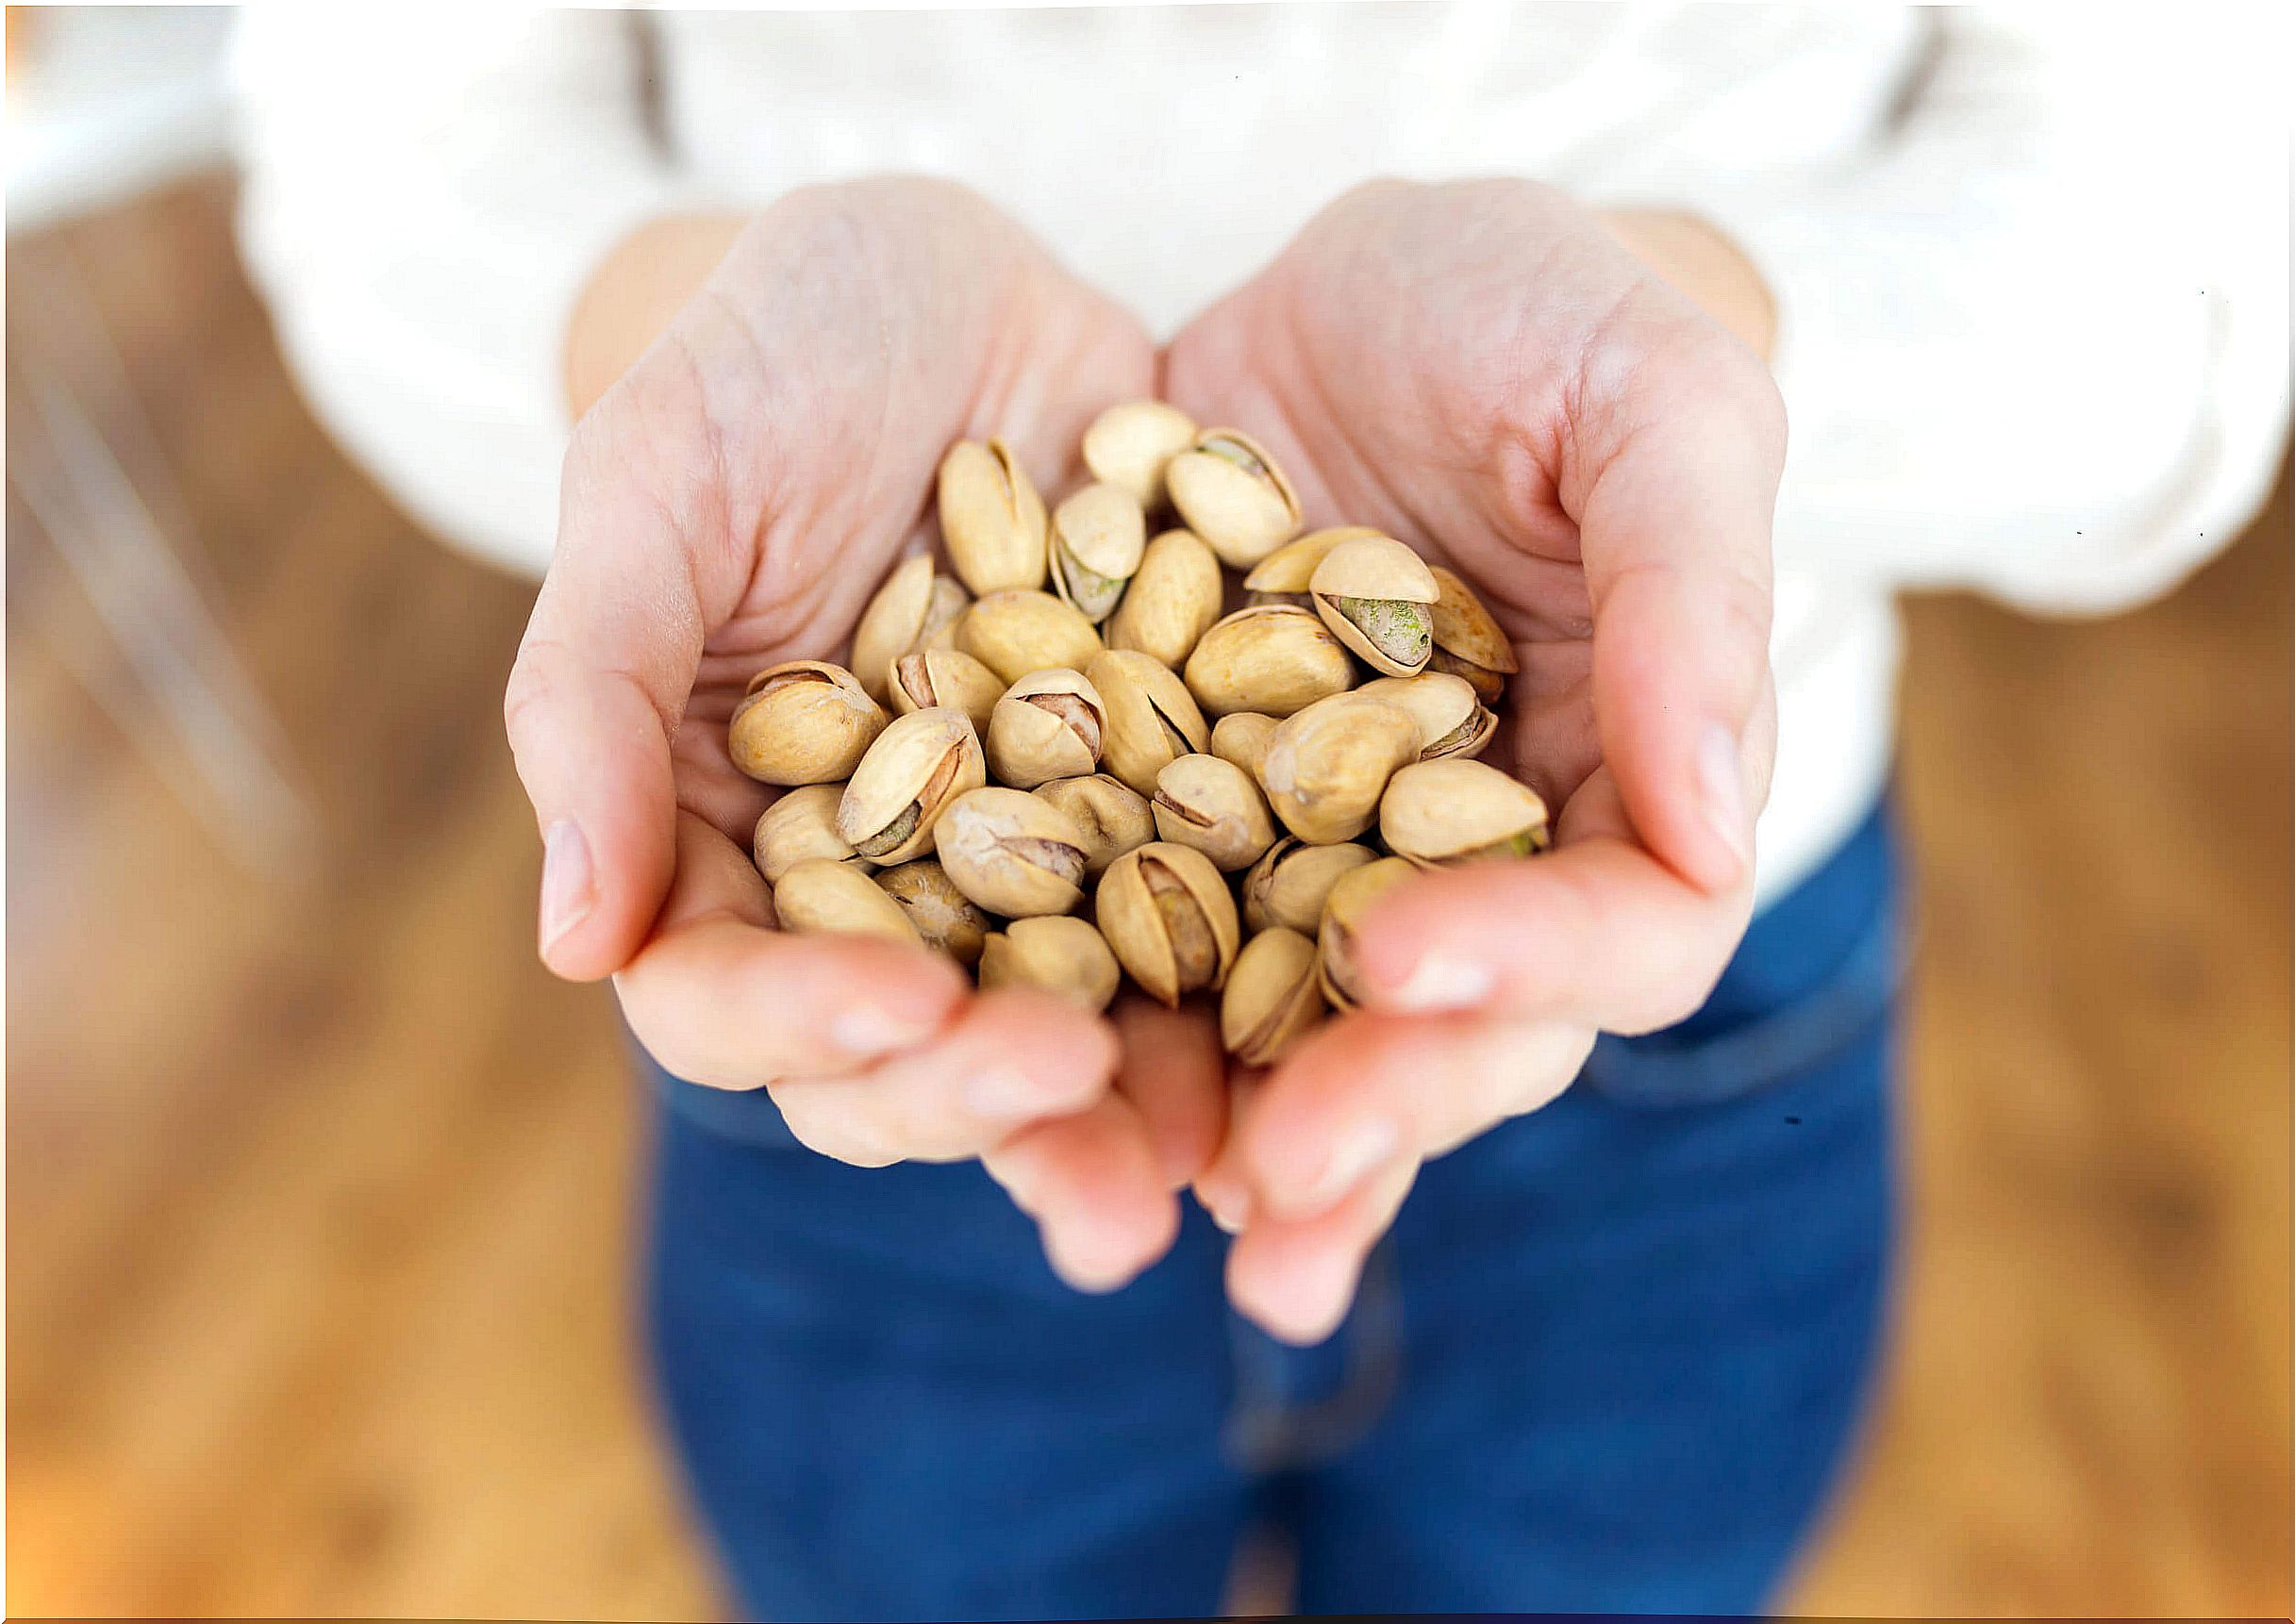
x,y
1606,1361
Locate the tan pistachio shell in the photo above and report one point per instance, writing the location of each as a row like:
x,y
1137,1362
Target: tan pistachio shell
x,y
922,678
1110,814
943,916
1376,594
1451,811
915,608
920,764
1288,886
1013,633
1327,766
1151,718
1173,599
1167,913
1274,996
1242,737
1273,659
992,517
1216,807
1129,446
818,897
1351,898
1049,724
798,826
1011,853
1287,571
1451,720
1468,642
1053,952
1098,534
803,722
1229,491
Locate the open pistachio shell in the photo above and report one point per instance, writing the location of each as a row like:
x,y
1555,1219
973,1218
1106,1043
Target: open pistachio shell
x,y
1111,816
1242,737
1010,853
1048,725
1230,493
1273,659
1450,812
1287,570
1327,766
800,825
819,897
1376,595
1055,954
1351,898
1097,538
1274,996
1451,720
805,721
1127,446
922,678
1167,913
992,517
1022,631
1152,720
1290,885
1171,600
913,609
943,916
1216,807
920,764
1468,642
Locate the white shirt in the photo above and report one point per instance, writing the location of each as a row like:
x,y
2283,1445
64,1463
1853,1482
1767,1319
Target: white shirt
x,y
2031,266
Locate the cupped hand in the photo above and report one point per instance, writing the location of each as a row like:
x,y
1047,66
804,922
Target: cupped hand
x,y
1486,370
730,501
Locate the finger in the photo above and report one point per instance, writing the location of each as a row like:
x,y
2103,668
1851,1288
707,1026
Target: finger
x,y
1096,1188
1297,1278
1172,1069
1223,1188
1011,1059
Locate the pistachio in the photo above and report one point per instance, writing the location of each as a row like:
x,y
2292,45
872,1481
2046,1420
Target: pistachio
x,y
1287,888
1216,807
992,517
1468,642
1351,898
1375,593
920,764
1171,600
1327,766
1112,817
922,678
1274,659
1010,853
1242,737
1057,954
1452,812
1230,493
1151,718
819,897
799,825
1047,725
1451,721
805,721
1097,538
1283,573
1127,446
1272,997
1166,912
1017,632
913,609
943,915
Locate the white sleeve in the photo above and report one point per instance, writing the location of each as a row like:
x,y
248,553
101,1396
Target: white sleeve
x,y
2035,339
423,198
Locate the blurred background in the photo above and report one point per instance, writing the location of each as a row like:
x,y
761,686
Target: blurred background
x,y
320,1193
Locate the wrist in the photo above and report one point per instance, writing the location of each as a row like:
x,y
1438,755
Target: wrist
x,y
636,288
1708,268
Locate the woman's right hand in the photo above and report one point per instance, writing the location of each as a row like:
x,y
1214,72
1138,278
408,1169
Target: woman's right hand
x,y
732,501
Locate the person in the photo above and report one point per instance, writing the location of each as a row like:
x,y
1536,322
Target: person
x,y
1551,1281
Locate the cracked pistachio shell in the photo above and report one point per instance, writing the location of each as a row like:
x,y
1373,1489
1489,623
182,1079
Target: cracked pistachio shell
x,y
992,517
818,897
943,916
1167,913
924,678
1173,599
1055,954
1216,807
913,609
1286,572
1151,718
1287,887
805,721
1242,737
1229,491
920,764
1274,659
1010,853
1048,725
1274,996
1112,817
1129,446
1451,720
1327,766
1468,642
1098,537
1358,889
1022,631
1376,595
799,826
1452,812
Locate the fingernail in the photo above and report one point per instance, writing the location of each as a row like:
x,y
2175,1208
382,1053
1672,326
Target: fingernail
x,y
1361,1146
1721,781
1004,1091
568,889
1441,982
1230,1210
867,1033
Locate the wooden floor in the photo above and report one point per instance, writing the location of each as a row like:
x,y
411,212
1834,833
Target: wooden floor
x,y
320,1192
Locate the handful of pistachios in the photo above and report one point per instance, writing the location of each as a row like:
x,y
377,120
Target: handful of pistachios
x,y
1093,752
